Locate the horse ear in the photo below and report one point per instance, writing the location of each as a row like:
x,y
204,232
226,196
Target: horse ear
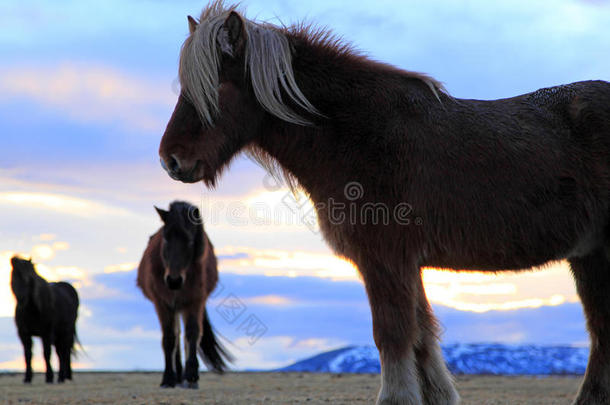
x,y
232,36
197,216
192,24
162,213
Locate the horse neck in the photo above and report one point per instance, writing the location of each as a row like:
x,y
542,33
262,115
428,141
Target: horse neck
x,y
356,96
45,296
39,296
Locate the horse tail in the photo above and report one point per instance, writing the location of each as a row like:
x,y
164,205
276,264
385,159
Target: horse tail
x,y
77,347
212,352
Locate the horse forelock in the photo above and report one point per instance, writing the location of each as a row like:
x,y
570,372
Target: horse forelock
x,y
268,63
185,217
200,62
180,214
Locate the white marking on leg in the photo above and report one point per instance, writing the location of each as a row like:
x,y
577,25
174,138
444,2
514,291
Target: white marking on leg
x,y
438,387
399,381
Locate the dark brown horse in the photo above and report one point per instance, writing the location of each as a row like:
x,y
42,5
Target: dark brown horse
x,y
177,273
469,184
48,310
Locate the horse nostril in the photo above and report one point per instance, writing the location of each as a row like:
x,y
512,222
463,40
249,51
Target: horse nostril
x,y
173,164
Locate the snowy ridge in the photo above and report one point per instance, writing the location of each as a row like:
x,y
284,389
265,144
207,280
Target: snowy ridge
x,y
497,359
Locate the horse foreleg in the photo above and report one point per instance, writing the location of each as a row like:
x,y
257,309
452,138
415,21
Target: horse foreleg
x,y
178,358
167,318
192,329
592,276
46,347
26,340
393,299
436,381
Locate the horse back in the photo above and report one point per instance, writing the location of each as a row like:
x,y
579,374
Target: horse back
x,y
66,302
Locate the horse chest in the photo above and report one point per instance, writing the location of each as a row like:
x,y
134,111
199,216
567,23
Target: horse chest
x,y
31,321
177,300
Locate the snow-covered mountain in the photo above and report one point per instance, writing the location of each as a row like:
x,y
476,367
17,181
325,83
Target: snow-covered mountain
x,y
496,359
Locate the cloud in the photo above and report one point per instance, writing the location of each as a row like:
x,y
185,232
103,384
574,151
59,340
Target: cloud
x,y
550,285
466,291
42,253
45,252
7,299
59,203
291,263
46,237
90,93
278,351
115,268
271,300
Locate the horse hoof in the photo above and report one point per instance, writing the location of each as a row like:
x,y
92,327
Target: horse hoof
x,y
190,385
166,386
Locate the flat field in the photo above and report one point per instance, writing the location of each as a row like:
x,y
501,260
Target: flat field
x,y
269,388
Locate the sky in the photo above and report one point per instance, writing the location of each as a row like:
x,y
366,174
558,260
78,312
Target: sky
x,y
86,89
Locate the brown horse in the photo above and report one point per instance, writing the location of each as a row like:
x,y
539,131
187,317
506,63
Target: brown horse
x,y
177,273
48,310
469,184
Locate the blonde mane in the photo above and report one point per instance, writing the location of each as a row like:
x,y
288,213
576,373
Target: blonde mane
x,y
268,59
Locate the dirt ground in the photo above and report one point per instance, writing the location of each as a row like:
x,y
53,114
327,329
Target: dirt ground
x,y
269,388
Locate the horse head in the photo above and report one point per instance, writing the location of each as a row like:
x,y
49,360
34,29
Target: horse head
x,y
182,242
215,116
23,278
236,76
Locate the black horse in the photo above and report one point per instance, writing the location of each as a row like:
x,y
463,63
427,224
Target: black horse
x,y
47,310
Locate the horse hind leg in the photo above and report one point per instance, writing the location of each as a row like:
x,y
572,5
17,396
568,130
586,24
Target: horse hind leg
x,y
63,348
592,276
436,382
69,350
60,351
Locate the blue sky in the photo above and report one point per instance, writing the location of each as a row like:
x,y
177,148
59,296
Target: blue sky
x,y
86,88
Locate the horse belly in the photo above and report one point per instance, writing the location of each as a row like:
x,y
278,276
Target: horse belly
x,y
534,240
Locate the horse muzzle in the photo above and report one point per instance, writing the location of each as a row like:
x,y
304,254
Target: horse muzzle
x,y
179,170
174,282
